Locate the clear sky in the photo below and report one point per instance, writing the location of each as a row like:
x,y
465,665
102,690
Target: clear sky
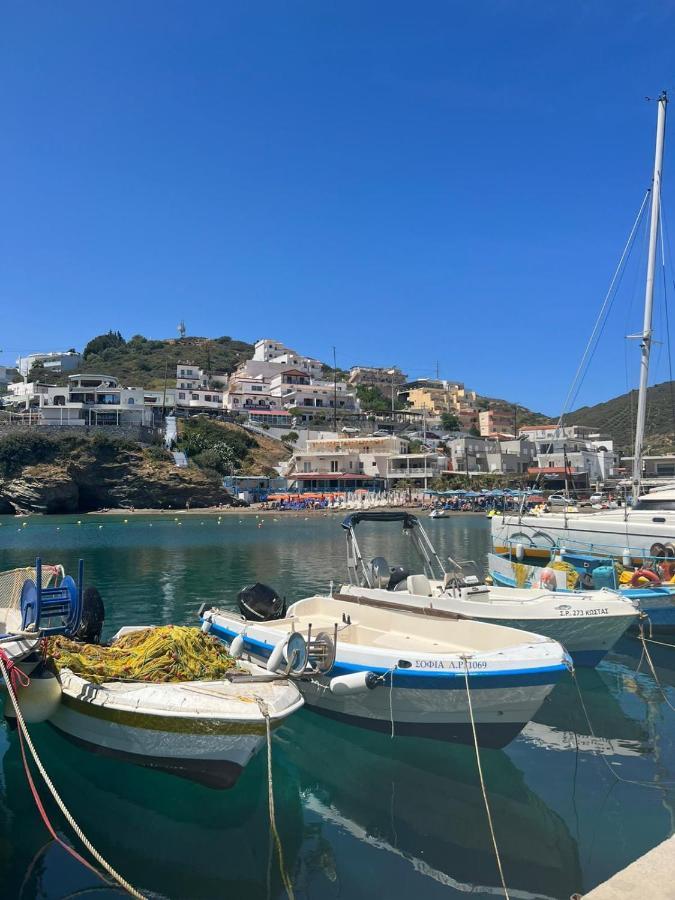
x,y
415,183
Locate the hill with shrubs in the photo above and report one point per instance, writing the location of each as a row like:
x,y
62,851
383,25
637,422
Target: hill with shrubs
x,y
141,362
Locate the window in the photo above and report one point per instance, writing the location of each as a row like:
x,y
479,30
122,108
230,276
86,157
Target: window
x,y
334,465
130,401
181,396
195,396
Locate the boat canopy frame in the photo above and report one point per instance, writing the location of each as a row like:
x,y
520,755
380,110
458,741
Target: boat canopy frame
x,y
363,575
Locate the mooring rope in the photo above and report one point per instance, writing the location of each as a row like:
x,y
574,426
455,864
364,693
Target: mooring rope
x,y
650,784
288,885
482,781
646,654
23,731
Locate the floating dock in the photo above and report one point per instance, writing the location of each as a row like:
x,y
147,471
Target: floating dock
x,y
652,875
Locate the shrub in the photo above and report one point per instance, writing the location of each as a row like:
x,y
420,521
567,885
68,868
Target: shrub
x,y
21,449
102,342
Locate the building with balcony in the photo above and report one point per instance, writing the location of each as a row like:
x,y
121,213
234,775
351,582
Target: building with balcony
x,y
375,463
87,400
55,362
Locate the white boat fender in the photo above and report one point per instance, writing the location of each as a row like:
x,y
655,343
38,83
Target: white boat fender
x,y
276,656
37,702
207,624
354,683
237,646
520,552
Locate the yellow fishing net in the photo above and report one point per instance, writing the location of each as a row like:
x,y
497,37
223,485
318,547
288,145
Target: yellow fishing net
x,y
169,653
572,574
521,573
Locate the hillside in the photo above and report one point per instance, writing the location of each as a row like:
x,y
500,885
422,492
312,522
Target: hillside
x,y
140,362
616,418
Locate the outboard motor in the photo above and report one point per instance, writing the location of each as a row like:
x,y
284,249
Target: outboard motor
x,y
260,603
93,617
397,575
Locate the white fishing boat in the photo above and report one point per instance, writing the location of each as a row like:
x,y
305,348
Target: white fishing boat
x,y
390,671
206,731
651,519
587,624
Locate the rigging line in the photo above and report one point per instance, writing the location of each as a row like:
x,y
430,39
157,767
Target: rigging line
x,y
605,304
603,321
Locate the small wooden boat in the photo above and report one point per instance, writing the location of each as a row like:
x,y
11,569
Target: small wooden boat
x,y
392,671
206,731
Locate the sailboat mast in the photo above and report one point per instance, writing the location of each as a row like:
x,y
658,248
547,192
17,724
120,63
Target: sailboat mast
x,y
646,336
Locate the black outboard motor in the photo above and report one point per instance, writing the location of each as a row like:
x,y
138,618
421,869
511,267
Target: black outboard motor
x,y
93,617
260,603
398,574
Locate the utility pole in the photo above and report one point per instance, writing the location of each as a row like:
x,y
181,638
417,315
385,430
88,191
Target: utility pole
x,y
166,375
334,392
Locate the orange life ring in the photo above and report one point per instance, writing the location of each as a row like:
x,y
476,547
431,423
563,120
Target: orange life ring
x,y
646,574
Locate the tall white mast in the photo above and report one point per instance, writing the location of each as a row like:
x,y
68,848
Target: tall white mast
x,y
646,336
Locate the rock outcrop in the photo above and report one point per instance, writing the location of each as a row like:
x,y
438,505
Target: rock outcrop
x,y
95,479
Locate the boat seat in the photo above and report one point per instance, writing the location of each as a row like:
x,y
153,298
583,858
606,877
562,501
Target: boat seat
x,y
418,584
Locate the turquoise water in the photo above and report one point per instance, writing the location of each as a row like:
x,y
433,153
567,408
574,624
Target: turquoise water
x,y
358,813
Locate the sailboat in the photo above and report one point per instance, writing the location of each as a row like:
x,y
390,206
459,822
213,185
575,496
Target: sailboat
x,y
639,533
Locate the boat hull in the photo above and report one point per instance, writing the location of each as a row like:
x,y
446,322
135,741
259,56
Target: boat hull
x,y
429,703
657,602
200,749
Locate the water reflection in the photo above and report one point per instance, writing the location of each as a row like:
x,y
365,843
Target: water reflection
x,y
359,813
168,837
420,802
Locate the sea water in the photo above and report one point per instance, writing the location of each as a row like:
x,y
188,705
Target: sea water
x,y
359,814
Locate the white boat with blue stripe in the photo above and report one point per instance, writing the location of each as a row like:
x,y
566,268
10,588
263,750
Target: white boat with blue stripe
x,y
388,670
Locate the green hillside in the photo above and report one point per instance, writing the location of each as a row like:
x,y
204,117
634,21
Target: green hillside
x,y
616,419
140,362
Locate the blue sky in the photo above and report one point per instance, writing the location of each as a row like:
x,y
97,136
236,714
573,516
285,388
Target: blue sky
x,y
411,182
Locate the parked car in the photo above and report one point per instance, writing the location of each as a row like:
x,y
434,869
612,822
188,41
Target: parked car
x,y
560,500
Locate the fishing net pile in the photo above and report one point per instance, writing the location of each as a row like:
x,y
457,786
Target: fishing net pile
x,y
170,653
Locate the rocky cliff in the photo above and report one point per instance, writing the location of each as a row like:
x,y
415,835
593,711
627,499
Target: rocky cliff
x,y
97,477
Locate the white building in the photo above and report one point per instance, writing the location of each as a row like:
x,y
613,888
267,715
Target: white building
x,y
347,463
267,351
87,399
196,389
574,450
55,362
278,378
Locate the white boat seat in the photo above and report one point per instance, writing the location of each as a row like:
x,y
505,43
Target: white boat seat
x,y
418,584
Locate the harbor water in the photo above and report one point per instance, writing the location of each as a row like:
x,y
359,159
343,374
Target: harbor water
x,y
359,813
